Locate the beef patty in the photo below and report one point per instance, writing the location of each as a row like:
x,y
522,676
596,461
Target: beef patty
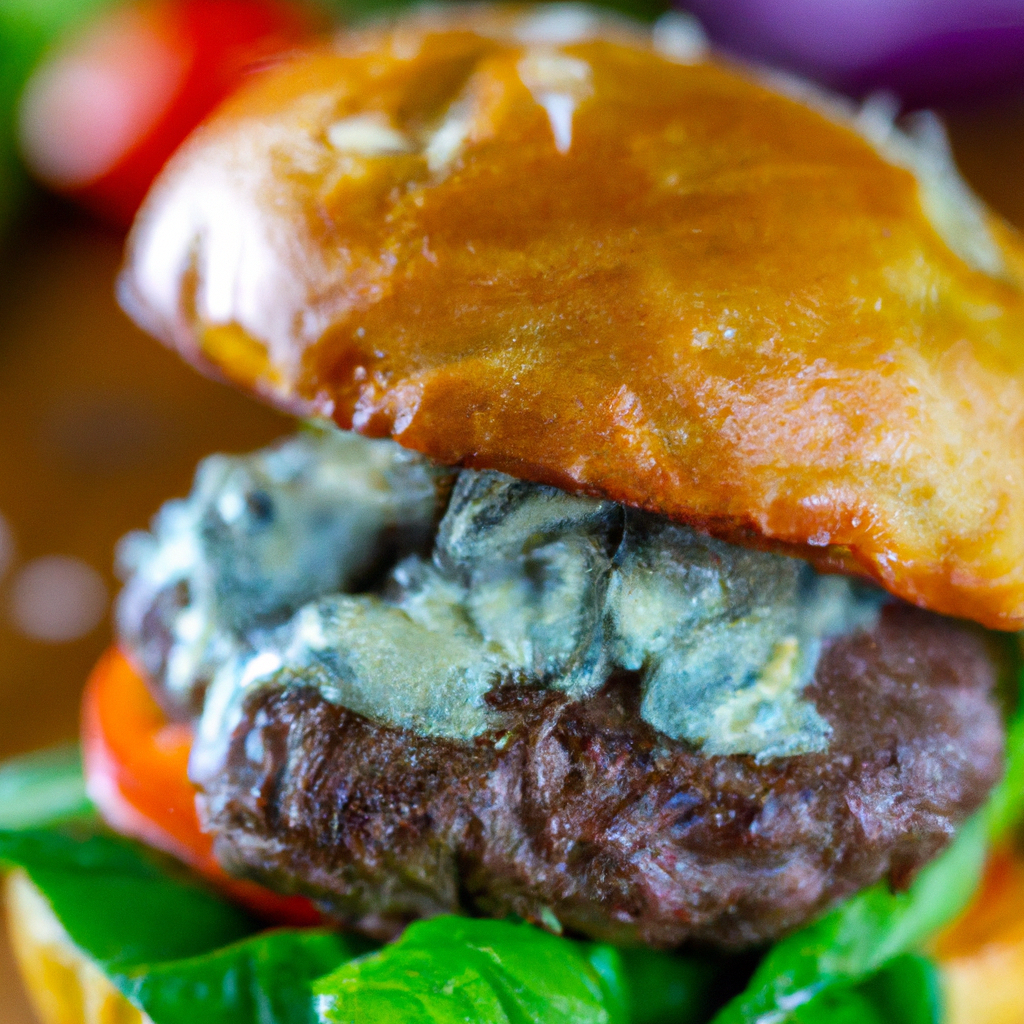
x,y
579,814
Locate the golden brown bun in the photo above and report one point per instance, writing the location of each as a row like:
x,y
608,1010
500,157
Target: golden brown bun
x,y
538,244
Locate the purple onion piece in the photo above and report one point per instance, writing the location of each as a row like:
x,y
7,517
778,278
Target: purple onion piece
x,y
926,51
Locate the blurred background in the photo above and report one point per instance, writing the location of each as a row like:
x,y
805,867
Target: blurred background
x,y
99,425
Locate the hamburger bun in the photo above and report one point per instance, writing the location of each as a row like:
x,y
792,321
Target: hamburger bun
x,y
558,246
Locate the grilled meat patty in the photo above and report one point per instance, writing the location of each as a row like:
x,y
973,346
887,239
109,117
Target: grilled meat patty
x,y
421,691
582,814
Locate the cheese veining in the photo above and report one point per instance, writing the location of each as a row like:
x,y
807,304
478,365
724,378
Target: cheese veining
x,y
322,562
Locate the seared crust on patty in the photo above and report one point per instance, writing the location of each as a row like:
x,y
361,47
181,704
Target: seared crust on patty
x,y
584,812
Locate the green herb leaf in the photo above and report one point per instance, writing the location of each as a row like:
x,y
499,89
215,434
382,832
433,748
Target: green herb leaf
x,y
907,990
839,1006
41,788
266,979
120,904
451,969
861,936
174,948
904,992
661,988
1005,807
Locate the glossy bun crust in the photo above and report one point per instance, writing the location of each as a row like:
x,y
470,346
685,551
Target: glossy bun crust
x,y
564,248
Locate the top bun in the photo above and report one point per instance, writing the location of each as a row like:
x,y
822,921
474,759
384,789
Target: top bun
x,y
552,243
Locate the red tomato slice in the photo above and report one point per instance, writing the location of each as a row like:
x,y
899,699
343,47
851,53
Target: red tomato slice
x,y
102,114
136,770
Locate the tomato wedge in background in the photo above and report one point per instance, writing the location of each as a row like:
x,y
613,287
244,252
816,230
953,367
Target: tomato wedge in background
x,y
136,771
102,113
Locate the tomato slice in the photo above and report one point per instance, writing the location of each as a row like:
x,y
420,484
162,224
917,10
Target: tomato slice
x,y
101,115
136,770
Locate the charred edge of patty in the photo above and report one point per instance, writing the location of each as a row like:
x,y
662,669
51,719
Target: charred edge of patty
x,y
583,811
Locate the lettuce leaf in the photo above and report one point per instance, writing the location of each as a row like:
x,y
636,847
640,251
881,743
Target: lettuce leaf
x,y
174,948
1005,807
119,903
177,950
265,979
449,970
906,991
860,937
43,787
661,988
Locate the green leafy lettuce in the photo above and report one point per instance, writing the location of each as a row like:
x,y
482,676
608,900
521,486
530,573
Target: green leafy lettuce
x,y
173,947
178,951
41,788
454,969
906,991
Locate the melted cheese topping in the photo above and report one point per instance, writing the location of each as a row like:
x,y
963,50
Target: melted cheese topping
x,y
279,563
259,536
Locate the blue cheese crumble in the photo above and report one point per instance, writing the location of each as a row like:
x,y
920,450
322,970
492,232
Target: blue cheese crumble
x,y
322,561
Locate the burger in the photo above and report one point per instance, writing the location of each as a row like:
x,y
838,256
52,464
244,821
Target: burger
x,y
623,635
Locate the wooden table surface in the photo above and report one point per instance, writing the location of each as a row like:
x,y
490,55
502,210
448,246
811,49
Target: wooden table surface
x,y
99,425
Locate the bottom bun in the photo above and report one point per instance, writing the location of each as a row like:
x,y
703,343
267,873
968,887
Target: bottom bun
x,y
64,986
